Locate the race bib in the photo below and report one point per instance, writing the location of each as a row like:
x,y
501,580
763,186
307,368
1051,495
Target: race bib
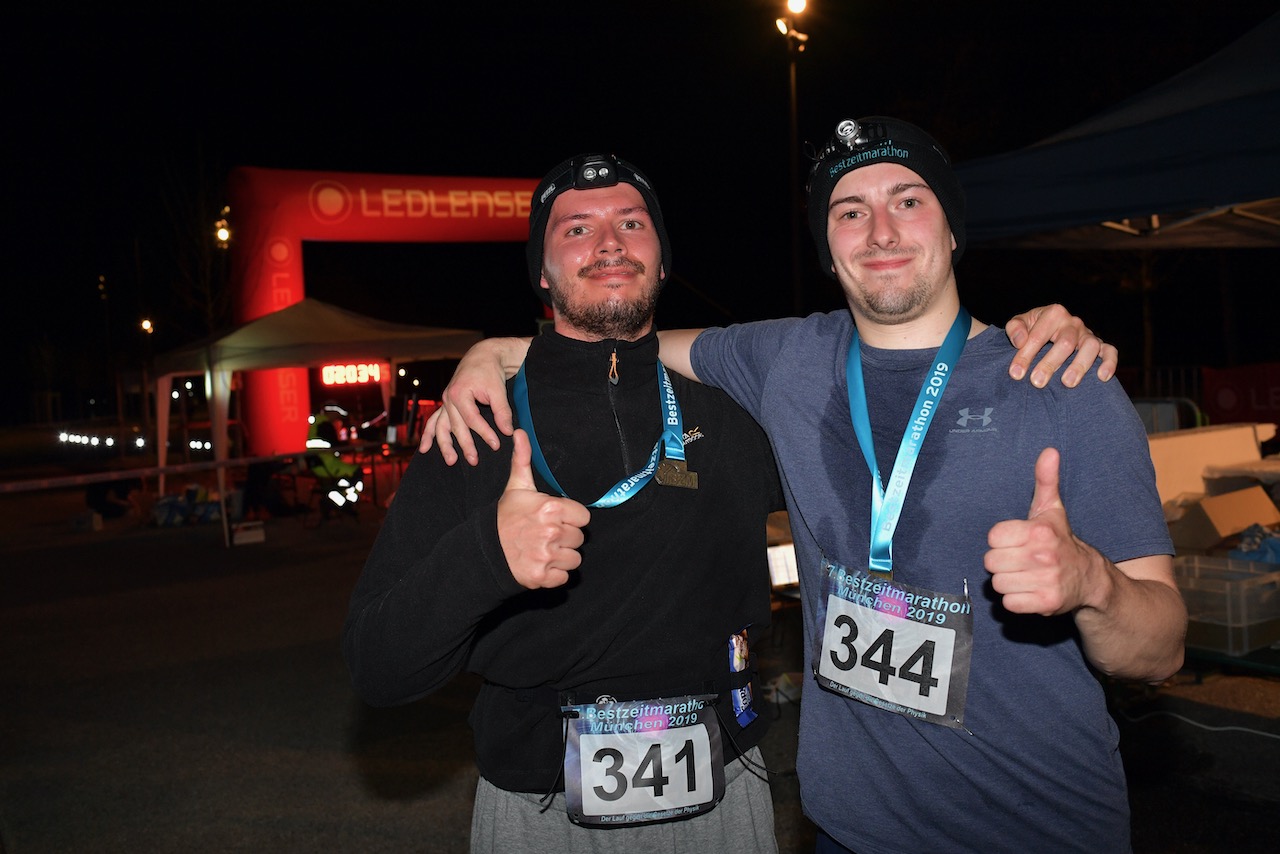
x,y
642,761
893,646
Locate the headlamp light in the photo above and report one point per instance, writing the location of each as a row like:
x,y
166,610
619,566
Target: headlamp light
x,y
849,134
594,171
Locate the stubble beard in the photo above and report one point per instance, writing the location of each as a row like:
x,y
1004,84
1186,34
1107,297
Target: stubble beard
x,y
625,320
890,304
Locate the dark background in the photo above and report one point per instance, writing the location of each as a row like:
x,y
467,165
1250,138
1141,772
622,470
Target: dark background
x,y
121,127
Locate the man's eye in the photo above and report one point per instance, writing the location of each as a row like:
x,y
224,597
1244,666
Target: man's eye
x,y
850,214
576,230
910,203
631,224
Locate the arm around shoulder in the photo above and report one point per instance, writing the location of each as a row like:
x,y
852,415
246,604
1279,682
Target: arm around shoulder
x,y
480,378
1031,330
675,349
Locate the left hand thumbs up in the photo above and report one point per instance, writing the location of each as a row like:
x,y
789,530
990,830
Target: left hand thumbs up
x,y
1046,496
1035,564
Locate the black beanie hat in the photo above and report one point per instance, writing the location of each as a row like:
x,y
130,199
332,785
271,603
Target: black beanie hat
x,y
586,172
877,139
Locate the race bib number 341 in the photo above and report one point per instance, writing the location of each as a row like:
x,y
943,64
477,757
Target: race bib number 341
x,y
896,647
642,761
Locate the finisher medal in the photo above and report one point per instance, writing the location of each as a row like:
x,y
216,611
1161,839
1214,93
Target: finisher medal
x,y
676,473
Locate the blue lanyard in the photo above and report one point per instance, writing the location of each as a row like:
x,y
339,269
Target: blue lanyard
x,y
886,505
669,446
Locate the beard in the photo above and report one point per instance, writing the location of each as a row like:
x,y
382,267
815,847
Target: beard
x,y
614,318
890,305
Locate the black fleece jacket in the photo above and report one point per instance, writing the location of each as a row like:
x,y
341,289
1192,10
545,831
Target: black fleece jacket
x,y
666,577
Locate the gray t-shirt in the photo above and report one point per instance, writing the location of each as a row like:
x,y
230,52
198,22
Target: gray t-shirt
x,y
1036,766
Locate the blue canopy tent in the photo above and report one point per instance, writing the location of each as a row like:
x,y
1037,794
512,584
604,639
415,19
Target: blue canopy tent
x,y
1191,162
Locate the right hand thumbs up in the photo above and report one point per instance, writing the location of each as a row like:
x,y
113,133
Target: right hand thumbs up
x,y
540,533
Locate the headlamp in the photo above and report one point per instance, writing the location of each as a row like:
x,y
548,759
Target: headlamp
x,y
849,134
594,171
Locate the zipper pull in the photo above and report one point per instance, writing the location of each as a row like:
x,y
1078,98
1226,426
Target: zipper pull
x,y
613,368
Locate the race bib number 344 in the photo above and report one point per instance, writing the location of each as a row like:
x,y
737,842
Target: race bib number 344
x,y
896,647
642,761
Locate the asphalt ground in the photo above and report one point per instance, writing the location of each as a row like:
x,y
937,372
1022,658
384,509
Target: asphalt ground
x,y
162,692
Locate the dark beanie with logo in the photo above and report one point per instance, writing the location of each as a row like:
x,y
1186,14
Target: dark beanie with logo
x,y
877,139
586,172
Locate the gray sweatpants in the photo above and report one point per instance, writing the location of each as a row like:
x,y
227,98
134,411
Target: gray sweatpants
x,y
741,823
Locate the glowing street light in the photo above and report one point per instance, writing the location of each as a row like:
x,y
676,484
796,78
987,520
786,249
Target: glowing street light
x,y
222,229
795,44
786,25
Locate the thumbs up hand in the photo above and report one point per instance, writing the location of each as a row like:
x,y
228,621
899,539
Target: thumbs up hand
x,y
540,533
1037,565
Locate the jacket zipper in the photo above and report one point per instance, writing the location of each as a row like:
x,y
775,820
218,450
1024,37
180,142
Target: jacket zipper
x,y
613,405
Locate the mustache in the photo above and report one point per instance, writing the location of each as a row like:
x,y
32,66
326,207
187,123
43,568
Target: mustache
x,y
605,264
883,254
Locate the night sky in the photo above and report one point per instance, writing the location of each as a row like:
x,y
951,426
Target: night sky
x,y
121,128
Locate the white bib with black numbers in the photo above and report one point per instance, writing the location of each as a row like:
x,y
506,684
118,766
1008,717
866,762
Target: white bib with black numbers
x,y
893,646
642,761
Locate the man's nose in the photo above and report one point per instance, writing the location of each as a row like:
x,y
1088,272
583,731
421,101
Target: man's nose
x,y
610,240
883,232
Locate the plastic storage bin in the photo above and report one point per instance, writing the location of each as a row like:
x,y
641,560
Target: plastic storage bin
x,y
1233,605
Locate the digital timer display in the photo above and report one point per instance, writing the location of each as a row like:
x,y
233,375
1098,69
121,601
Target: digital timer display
x,y
358,374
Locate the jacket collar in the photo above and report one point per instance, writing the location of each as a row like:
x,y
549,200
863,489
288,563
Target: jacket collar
x,y
585,365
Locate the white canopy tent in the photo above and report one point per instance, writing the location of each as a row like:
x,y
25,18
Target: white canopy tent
x,y
306,334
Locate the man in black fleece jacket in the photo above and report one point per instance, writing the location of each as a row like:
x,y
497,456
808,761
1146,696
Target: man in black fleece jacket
x,y
599,569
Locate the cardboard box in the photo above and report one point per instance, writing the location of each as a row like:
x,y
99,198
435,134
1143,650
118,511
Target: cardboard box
x,y
1181,456
1207,522
1233,606
248,532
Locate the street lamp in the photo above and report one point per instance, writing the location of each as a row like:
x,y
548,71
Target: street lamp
x,y
222,229
795,45
107,359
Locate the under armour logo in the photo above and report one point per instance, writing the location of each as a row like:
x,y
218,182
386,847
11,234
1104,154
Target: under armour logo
x,y
965,417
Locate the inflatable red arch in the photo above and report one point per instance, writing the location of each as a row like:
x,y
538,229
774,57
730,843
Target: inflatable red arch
x,y
274,211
